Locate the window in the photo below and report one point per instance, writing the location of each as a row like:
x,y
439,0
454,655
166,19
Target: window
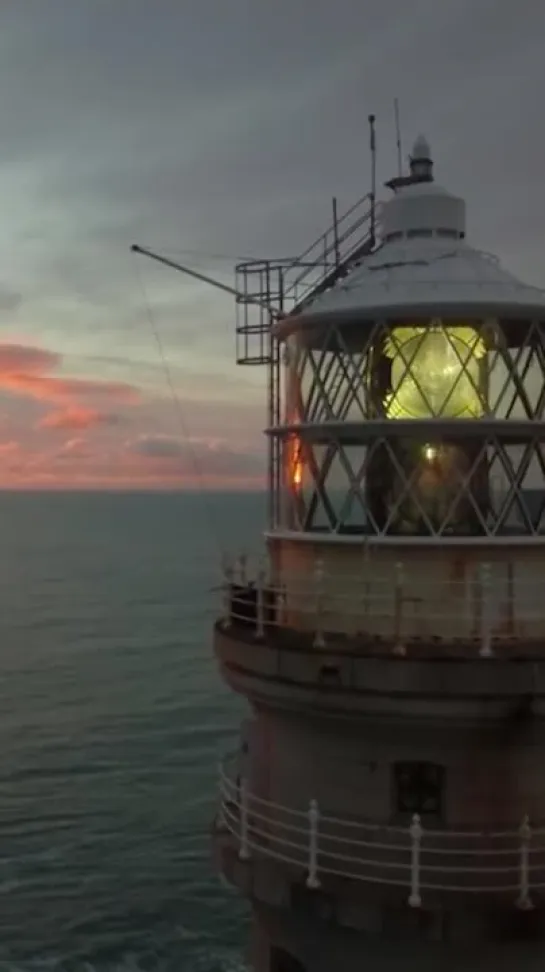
x,y
281,961
419,788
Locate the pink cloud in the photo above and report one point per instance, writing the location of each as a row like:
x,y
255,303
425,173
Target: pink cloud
x,y
27,371
94,455
49,388
19,357
76,417
9,448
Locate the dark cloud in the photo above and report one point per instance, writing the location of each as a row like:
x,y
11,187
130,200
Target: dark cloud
x,y
164,446
194,457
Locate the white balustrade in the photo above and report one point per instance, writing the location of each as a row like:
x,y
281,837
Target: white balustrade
x,y
486,611
243,570
416,839
508,864
227,588
260,604
314,821
524,901
399,647
391,608
319,594
244,849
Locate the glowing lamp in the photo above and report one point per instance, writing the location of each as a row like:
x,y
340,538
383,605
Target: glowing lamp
x,y
297,475
295,464
430,452
435,372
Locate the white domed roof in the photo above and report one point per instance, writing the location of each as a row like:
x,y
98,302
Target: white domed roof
x,y
431,277
423,266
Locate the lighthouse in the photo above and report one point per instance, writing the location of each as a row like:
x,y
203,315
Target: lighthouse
x,y
385,808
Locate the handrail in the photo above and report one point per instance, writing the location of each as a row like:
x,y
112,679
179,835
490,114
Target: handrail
x,y
388,604
324,247
413,857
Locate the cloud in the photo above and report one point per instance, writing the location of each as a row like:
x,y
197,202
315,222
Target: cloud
x,y
48,388
195,127
17,358
77,417
72,447
9,448
26,371
198,457
164,446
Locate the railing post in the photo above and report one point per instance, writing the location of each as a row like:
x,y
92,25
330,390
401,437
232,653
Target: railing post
x,y
486,640
244,850
243,570
260,605
416,841
313,880
221,818
524,902
365,585
227,596
319,640
399,647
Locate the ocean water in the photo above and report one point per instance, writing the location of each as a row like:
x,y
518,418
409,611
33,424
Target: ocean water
x,y
113,718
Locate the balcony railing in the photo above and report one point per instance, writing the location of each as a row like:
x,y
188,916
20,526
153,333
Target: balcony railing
x,y
418,861
397,609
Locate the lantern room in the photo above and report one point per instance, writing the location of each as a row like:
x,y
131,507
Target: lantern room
x,y
413,391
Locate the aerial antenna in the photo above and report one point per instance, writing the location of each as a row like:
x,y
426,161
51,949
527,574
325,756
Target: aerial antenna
x,y
204,278
398,138
373,150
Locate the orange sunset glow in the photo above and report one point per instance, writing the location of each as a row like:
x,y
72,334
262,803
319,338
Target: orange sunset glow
x,y
61,431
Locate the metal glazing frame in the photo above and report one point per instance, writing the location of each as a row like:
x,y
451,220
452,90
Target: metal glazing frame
x,y
329,409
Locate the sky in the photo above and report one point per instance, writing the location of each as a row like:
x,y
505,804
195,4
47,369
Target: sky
x,y
211,131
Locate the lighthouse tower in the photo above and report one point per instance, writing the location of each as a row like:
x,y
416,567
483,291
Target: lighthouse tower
x,y
385,809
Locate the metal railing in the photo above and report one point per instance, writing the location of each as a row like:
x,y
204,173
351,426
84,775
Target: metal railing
x,y
415,859
397,607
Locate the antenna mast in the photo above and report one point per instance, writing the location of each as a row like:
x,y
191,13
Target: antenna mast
x,y
398,137
211,281
373,149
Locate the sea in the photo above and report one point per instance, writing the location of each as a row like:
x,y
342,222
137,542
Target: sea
x,y
112,721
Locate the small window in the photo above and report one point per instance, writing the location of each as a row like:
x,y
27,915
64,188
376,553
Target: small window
x,y
419,788
281,961
419,234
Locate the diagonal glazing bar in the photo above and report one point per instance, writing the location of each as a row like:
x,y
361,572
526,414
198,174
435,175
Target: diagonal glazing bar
x,y
515,479
356,479
464,492
406,493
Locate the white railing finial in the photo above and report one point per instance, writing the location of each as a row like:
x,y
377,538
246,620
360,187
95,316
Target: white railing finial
x,y
244,849
399,646
313,880
260,603
319,581
227,586
415,830
486,605
524,901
